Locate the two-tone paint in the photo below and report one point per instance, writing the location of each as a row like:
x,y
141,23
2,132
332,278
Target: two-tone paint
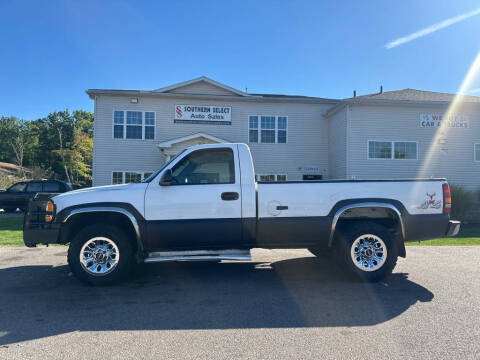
x,y
268,215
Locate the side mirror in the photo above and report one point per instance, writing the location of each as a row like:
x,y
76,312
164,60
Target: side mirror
x,y
167,178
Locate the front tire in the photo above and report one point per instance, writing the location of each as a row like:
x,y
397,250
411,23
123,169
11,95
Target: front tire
x,y
101,254
366,250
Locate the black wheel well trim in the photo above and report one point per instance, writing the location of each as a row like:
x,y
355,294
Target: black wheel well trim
x,y
366,204
68,214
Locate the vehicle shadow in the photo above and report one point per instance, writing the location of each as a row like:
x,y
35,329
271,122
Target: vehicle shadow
x,y
41,301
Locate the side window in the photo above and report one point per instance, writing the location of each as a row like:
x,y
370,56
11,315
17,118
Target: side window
x,y
208,166
34,187
51,187
20,187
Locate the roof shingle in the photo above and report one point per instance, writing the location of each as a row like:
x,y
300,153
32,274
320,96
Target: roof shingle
x,y
415,95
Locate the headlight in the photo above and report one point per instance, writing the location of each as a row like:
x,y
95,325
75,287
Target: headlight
x,y
50,210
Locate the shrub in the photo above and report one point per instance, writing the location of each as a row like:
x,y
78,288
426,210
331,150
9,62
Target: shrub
x,y
7,180
462,202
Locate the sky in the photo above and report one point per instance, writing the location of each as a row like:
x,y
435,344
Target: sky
x,y
52,51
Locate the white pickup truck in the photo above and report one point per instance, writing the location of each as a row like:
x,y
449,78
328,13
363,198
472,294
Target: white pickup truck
x,y
205,204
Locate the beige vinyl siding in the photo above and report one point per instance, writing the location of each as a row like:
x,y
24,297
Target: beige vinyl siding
x,y
201,88
402,123
337,139
307,143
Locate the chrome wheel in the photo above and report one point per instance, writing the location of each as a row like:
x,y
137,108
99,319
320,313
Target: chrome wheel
x,y
368,252
99,256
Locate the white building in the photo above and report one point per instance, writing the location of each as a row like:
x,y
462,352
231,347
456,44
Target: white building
x,y
395,134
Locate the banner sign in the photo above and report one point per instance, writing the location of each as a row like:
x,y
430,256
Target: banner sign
x,y
439,120
203,114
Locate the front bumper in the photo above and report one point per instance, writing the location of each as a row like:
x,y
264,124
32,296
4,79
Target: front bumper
x,y
453,228
35,229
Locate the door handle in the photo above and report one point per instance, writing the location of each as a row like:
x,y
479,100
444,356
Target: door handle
x,y
227,196
282,207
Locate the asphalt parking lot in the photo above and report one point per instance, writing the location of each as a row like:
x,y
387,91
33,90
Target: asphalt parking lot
x,y
283,304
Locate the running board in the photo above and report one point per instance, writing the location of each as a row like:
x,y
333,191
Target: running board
x,y
195,255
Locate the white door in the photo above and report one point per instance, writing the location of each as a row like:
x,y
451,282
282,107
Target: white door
x,y
202,206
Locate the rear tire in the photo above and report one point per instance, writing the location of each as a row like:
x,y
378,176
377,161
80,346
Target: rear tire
x,y
366,250
101,254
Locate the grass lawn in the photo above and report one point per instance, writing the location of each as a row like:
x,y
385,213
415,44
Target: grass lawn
x,y
469,235
11,234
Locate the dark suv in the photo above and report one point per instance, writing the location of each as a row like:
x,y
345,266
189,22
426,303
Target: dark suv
x,y
18,195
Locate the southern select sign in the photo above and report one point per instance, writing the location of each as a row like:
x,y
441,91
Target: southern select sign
x,y
440,120
203,114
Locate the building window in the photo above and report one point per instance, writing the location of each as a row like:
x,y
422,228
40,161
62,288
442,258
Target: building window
x,y
267,134
132,177
379,150
126,177
134,125
253,129
118,124
149,125
405,150
398,150
267,129
271,177
266,178
117,177
477,152
282,129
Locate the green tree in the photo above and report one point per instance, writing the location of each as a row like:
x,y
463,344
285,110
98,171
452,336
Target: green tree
x,y
59,144
8,130
60,131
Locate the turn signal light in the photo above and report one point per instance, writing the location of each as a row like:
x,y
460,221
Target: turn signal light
x,y
50,208
447,199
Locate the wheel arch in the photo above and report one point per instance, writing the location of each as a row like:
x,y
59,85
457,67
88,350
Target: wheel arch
x,y
74,219
371,211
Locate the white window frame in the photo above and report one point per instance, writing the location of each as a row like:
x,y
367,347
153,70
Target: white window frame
x,y
392,157
142,174
475,152
143,124
259,129
257,177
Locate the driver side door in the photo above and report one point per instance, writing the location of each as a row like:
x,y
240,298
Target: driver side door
x,y
201,208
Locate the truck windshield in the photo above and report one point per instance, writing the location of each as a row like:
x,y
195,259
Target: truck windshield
x,y
151,177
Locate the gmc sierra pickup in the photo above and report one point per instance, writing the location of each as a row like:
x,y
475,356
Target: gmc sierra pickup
x,y
205,204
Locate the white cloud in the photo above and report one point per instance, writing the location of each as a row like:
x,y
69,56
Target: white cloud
x,y
431,29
